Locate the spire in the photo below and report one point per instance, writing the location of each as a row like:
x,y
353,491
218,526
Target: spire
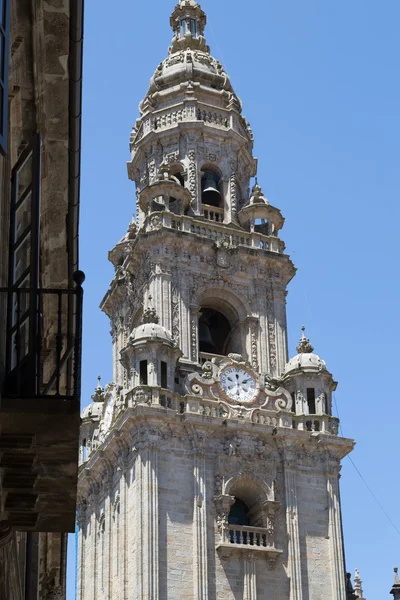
x,y
304,346
358,585
396,586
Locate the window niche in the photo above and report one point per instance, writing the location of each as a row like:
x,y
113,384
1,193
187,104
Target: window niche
x,y
311,401
164,375
143,372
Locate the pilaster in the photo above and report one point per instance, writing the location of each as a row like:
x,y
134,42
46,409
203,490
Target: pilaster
x,y
250,578
292,522
335,532
200,562
149,515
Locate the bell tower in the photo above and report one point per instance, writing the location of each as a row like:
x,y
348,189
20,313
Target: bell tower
x,y
210,465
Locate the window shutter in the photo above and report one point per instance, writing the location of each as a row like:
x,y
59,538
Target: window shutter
x,y
4,55
23,280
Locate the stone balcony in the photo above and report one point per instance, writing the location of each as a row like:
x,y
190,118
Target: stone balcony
x,y
239,538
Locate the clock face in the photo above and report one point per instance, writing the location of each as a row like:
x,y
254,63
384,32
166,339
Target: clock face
x,y
238,385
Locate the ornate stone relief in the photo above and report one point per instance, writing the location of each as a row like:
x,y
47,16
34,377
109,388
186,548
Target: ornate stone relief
x,y
176,317
192,176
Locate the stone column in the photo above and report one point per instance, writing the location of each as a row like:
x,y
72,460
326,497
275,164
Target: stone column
x,y
200,562
335,532
250,581
292,522
149,575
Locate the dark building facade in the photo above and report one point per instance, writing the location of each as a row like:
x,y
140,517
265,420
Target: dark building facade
x,y
40,291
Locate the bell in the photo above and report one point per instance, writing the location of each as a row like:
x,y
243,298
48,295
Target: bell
x,y
206,343
211,193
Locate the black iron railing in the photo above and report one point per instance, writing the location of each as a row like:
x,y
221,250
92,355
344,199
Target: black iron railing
x,y
44,341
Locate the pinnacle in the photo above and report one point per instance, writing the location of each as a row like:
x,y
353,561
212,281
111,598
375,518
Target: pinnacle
x,y
98,395
150,316
304,346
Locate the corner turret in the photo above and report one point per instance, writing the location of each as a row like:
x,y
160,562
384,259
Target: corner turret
x,y
310,383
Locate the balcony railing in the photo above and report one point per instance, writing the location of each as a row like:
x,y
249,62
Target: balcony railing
x,y
247,536
216,231
213,213
44,341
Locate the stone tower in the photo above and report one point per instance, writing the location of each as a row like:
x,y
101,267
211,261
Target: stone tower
x,y
210,465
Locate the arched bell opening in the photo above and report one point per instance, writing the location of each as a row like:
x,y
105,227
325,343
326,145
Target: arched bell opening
x,y
211,189
215,333
261,226
177,174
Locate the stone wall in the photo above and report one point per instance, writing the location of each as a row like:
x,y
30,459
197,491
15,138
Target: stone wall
x,y
168,537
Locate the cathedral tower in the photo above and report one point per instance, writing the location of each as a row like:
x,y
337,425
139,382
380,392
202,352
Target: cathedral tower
x,y
210,465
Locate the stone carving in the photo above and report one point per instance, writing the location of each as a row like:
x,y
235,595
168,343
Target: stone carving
x,y
208,372
175,315
232,447
142,396
272,346
192,176
254,345
233,194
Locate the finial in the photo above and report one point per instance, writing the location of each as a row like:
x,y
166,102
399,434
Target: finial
x,y
396,585
358,585
98,395
304,346
150,314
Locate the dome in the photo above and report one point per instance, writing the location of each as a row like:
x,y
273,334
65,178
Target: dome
x,y
305,360
92,411
204,69
150,331
95,409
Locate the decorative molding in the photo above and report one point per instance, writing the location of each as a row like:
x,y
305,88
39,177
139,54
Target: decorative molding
x,y
192,176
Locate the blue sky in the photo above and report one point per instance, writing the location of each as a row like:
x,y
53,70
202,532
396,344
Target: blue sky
x,y
320,86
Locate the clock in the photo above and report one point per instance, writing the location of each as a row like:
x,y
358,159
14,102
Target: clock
x,y
238,385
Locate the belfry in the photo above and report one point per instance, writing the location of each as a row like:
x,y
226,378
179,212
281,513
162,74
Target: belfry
x,y
210,465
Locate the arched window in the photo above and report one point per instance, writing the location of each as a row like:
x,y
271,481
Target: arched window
x,y
215,332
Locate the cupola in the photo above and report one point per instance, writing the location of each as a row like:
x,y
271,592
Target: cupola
x,y
309,381
188,22
151,354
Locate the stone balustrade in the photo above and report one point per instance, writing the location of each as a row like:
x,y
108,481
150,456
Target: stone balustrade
x,y
213,213
247,536
316,423
214,230
184,112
